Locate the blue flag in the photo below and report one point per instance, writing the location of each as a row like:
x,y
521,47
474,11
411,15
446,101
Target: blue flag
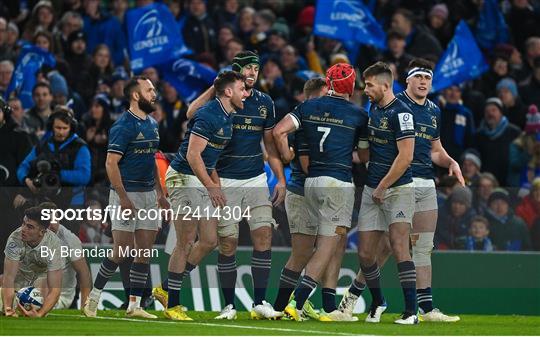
x,y
491,28
462,60
189,78
153,36
348,20
30,60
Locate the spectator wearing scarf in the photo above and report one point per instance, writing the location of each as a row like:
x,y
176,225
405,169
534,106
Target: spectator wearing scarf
x,y
494,136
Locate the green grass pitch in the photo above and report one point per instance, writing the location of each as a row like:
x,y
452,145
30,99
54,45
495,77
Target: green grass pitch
x,y
113,322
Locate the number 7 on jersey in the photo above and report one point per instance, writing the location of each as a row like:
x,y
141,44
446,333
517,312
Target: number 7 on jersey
x,y
326,132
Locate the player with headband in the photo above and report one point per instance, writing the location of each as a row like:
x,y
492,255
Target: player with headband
x,y
428,150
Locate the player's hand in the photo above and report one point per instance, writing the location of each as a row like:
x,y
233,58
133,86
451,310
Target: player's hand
x,y
125,203
279,193
10,312
163,203
216,196
29,313
19,201
455,170
378,195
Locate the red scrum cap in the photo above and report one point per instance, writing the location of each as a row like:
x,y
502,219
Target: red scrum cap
x,y
340,78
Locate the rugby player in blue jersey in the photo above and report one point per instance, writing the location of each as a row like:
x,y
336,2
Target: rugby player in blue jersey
x,y
332,127
131,168
194,185
428,150
388,197
303,232
243,179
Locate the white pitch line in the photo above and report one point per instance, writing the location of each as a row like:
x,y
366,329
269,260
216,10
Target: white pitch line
x,y
324,333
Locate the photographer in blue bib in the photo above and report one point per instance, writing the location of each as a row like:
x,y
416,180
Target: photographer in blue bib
x,y
59,166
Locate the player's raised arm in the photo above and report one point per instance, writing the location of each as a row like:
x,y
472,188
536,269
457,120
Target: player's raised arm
x,y
200,101
8,284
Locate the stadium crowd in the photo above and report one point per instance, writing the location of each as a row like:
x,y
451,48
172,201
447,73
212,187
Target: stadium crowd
x,y
491,125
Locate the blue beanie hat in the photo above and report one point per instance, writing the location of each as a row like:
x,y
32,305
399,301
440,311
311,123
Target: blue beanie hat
x,y
509,84
58,84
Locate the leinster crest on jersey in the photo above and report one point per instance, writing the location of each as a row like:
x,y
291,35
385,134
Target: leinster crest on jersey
x,y
263,111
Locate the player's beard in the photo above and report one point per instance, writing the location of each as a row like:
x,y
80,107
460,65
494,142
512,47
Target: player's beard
x,y
146,106
249,86
237,105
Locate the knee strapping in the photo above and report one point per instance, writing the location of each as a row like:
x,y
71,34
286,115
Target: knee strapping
x,y
422,246
261,217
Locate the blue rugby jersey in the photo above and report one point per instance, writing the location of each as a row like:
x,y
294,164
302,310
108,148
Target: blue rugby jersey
x,y
213,123
388,125
332,128
137,140
243,156
427,120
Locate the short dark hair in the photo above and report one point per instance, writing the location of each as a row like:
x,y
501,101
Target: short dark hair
x,y
479,218
421,63
313,85
34,214
48,205
378,69
41,85
132,85
226,78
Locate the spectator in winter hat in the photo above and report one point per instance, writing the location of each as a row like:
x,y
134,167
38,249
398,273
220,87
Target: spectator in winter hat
x,y
508,231
524,153
514,108
439,24
59,88
454,219
78,60
495,135
278,38
42,19
471,165
9,43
